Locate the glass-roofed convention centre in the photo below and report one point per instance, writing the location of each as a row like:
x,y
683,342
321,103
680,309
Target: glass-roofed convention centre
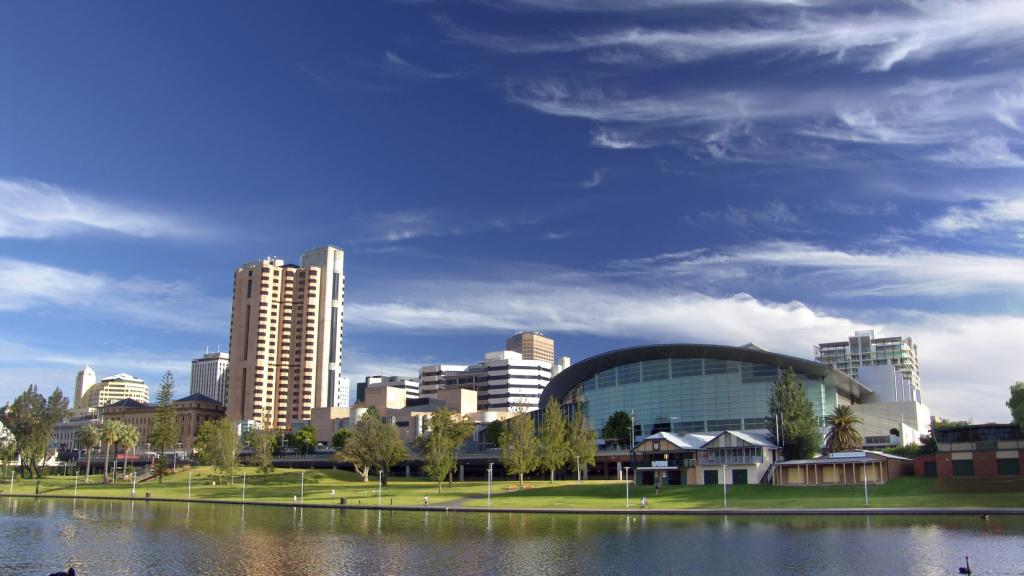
x,y
687,388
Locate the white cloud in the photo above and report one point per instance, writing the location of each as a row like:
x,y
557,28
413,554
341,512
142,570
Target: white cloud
x,y
775,213
615,140
638,5
877,39
990,214
984,152
30,209
966,361
594,180
852,274
163,305
401,67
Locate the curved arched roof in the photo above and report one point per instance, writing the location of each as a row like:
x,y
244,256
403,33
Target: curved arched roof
x,y
561,384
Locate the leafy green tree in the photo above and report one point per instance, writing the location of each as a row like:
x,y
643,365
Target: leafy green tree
x,y
801,437
619,427
520,448
88,438
492,433
305,440
30,419
218,444
448,431
8,451
339,438
164,433
263,441
553,437
841,433
374,444
1016,403
582,441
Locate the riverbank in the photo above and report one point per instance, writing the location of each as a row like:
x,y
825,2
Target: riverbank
x,y
326,488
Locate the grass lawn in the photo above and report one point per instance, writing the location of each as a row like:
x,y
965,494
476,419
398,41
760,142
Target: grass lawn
x,y
284,484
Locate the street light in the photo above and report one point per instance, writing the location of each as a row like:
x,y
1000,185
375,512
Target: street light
x,y
627,487
380,484
490,478
302,486
579,475
725,489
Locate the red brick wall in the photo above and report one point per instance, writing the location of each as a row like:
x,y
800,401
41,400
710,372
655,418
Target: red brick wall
x,y
985,464
919,464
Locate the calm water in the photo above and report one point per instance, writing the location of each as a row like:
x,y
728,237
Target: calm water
x,y
108,538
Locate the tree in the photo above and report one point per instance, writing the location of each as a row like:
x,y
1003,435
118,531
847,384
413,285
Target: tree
x,y
582,441
305,440
448,431
128,438
7,453
164,434
619,427
374,444
109,432
519,446
554,443
800,435
841,433
339,438
1016,403
218,444
263,442
492,433
88,438
30,419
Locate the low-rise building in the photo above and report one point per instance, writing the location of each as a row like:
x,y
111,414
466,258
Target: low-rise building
x,y
191,412
843,468
982,450
729,457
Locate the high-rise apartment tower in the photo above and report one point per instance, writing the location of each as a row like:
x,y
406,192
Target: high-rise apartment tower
x,y
863,349
533,346
286,337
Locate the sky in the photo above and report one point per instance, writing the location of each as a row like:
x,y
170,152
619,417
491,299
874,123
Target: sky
x,y
782,172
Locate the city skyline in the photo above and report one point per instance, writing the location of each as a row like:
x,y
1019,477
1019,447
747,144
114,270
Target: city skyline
x,y
609,176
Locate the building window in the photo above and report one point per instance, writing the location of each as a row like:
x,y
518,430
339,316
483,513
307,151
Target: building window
x,y
963,467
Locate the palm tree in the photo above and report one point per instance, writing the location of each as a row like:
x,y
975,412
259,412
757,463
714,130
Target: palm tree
x,y
841,434
88,438
129,439
109,432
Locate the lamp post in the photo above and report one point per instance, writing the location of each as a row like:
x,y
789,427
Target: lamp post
x,y
627,487
243,486
380,485
11,491
189,484
490,478
302,486
76,482
864,471
725,489
579,474
134,478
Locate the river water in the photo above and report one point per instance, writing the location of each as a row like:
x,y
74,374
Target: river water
x,y
117,537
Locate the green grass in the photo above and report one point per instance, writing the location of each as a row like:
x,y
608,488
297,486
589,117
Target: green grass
x,y
283,485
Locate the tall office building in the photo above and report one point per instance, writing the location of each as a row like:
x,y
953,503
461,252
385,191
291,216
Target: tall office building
x,y
210,376
532,346
863,349
286,337
85,380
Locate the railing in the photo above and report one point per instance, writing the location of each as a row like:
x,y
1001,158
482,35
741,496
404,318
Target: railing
x,y
728,460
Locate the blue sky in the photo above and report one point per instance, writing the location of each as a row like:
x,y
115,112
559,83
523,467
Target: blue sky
x,y
775,171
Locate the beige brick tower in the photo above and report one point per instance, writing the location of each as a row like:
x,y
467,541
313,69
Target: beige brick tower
x,y
533,346
285,338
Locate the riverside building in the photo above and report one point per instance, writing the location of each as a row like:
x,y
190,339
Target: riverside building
x,y
286,337
209,376
863,349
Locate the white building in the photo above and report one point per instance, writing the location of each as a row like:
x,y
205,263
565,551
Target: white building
x,y
210,376
864,349
85,380
409,384
503,381
114,388
342,392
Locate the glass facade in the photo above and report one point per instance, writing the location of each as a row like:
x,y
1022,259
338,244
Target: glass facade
x,y
693,394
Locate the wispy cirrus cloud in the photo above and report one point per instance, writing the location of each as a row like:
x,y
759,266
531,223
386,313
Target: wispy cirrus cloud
x,y
37,210
176,305
984,152
594,180
990,214
403,67
638,5
876,38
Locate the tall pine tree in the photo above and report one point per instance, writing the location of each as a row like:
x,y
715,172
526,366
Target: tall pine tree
x,y
798,426
164,434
